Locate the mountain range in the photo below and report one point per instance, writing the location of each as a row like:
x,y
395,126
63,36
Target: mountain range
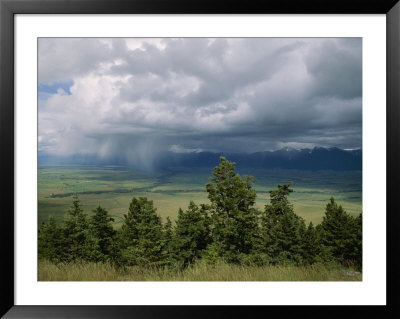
x,y
318,158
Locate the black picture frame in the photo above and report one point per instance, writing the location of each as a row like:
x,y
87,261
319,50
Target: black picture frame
x,y
8,8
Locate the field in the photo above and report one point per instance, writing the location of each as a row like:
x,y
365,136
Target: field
x,y
199,272
113,188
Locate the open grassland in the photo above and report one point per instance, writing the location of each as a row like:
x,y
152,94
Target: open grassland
x,y
199,272
114,187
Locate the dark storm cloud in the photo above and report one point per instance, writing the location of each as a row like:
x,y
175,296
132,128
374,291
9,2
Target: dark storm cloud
x,y
143,96
336,69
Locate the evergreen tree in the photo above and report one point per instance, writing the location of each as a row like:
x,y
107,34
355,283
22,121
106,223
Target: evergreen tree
x,y
51,241
141,236
311,245
102,229
192,234
167,242
283,231
341,234
229,192
168,230
80,243
279,202
234,218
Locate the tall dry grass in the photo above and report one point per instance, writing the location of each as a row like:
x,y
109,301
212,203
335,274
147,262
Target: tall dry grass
x,y
85,271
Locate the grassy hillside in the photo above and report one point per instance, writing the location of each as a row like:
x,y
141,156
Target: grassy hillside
x,y
114,187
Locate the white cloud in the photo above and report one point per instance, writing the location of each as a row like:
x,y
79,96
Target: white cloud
x,y
179,149
138,97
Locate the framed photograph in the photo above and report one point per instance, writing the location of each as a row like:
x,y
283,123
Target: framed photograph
x,y
189,159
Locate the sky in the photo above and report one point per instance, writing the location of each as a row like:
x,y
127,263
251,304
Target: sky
x,y
138,97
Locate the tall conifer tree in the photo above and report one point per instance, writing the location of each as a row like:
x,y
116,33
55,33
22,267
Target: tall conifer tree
x,y
102,229
282,229
141,236
51,242
234,217
191,235
341,234
80,243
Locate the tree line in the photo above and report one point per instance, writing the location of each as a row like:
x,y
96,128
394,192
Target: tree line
x,y
229,229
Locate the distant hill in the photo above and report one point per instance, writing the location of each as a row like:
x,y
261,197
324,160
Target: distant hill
x,y
318,158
